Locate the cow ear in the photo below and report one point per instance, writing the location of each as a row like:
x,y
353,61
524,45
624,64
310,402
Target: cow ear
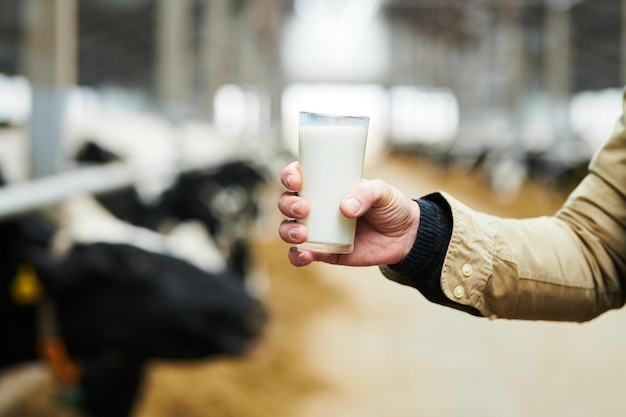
x,y
54,272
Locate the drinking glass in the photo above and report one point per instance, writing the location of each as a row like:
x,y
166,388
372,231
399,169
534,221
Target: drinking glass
x,y
331,153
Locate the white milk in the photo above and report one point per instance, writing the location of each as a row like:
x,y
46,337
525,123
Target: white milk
x,y
331,159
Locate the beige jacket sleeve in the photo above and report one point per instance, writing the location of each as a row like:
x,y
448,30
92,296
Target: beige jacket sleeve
x,y
570,266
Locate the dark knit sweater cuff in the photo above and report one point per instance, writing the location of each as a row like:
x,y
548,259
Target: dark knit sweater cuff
x,y
430,246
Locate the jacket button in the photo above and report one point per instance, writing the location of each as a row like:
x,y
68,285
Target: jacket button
x,y
459,291
467,270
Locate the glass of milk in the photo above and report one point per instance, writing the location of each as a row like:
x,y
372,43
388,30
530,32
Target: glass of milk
x,y
331,155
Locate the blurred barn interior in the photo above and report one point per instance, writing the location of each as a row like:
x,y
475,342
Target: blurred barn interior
x,y
502,102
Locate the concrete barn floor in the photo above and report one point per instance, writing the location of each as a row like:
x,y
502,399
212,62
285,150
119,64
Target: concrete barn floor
x,y
346,342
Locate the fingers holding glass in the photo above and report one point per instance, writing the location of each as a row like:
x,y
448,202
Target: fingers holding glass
x,y
292,232
293,206
291,177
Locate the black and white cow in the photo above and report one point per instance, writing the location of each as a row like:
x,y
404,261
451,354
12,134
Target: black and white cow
x,y
122,295
222,197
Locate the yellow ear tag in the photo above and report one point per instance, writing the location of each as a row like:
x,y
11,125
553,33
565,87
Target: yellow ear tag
x,y
26,288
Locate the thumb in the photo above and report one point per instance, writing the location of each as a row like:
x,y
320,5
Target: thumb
x,y
365,195
351,206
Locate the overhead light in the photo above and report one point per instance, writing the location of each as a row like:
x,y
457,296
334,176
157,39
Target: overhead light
x,y
336,9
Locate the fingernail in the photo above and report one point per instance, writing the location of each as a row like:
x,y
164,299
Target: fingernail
x,y
296,207
353,204
303,257
288,181
294,232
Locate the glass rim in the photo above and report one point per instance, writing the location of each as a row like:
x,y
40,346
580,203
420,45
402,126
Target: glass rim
x,y
308,118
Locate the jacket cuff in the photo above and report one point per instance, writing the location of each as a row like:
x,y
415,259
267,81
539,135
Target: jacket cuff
x,y
422,267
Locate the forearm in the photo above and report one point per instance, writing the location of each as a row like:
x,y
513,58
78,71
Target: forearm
x,y
527,269
545,268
